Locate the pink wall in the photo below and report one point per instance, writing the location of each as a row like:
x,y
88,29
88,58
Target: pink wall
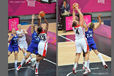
x,y
69,20
93,5
20,7
104,30
51,36
13,23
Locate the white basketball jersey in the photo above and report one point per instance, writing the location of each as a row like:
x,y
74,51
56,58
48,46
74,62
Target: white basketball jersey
x,y
79,32
23,35
43,36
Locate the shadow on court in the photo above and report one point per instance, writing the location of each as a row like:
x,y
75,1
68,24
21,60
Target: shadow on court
x,y
45,68
103,45
96,70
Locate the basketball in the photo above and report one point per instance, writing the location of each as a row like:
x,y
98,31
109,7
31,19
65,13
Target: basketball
x,y
75,5
42,13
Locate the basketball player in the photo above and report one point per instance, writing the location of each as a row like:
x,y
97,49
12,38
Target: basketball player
x,y
92,45
43,44
22,40
13,46
80,39
33,47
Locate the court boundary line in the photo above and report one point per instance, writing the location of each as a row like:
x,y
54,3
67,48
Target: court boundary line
x,y
67,38
32,69
68,74
74,41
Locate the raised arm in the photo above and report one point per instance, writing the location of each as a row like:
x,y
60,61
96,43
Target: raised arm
x,y
80,15
32,23
39,20
73,13
85,26
47,25
97,25
10,38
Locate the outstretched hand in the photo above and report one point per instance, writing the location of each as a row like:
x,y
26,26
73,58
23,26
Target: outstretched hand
x,y
33,16
39,17
99,15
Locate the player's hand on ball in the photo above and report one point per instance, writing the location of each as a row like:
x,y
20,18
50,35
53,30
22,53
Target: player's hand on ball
x,y
39,17
77,5
74,6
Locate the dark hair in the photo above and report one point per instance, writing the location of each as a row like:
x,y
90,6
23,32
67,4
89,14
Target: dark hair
x,y
39,29
74,23
92,25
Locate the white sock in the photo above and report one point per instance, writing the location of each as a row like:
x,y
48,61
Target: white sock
x,y
101,58
15,63
22,62
33,59
37,65
75,65
86,62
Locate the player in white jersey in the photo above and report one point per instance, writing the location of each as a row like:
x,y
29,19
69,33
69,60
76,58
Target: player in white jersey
x,y
22,43
80,39
43,44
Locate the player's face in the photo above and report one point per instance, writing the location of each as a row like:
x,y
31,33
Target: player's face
x,y
64,3
36,28
91,25
19,27
13,31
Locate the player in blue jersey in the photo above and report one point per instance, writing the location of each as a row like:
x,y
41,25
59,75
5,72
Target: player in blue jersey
x,y
33,47
43,44
13,45
92,45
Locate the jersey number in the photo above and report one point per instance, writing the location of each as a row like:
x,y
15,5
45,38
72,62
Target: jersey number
x,y
42,37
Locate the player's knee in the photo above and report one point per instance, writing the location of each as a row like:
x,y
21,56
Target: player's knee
x,y
9,53
16,53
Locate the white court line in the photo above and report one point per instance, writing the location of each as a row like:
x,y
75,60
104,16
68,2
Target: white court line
x,y
21,67
67,38
49,61
74,41
31,68
82,70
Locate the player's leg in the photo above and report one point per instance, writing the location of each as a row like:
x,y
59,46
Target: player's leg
x,y
101,58
88,62
78,52
23,60
85,47
9,53
24,53
16,58
21,46
38,59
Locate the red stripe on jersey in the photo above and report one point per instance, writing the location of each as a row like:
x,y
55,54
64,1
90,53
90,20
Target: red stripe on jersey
x,y
77,26
44,52
43,31
87,45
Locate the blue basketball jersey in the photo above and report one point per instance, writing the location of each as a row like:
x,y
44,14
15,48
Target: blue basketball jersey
x,y
35,38
90,40
14,41
89,34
